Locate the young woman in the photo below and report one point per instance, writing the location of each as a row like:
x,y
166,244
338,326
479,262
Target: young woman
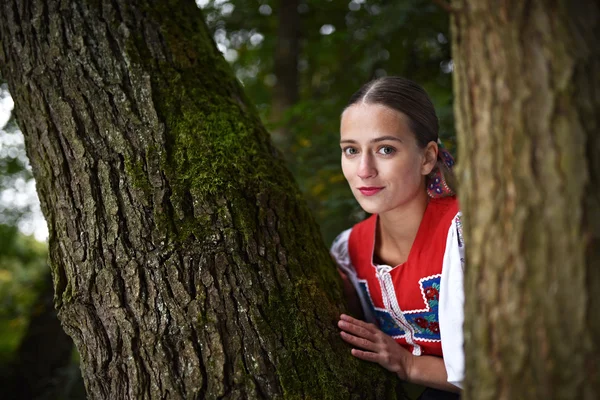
x,y
404,264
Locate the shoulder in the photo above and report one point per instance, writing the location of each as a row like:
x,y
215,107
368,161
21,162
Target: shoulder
x,y
446,208
352,238
341,240
339,250
359,229
441,216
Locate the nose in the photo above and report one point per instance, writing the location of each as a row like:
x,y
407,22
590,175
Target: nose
x,y
366,167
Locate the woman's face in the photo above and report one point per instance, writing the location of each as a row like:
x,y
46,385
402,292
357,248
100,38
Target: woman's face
x,y
381,159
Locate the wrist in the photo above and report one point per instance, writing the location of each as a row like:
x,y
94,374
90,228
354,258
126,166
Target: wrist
x,y
406,369
412,368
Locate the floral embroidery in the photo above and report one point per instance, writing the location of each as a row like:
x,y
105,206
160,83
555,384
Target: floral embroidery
x,y
437,186
436,182
431,293
447,158
424,321
434,327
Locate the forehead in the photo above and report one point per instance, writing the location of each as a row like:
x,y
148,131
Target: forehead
x,y
368,121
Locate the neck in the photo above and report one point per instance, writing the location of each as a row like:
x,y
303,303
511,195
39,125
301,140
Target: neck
x,y
397,228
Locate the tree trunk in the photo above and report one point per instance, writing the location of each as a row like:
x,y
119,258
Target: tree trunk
x,y
287,50
527,84
185,263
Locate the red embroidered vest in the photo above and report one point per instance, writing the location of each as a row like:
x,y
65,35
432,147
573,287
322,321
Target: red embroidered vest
x,y
404,299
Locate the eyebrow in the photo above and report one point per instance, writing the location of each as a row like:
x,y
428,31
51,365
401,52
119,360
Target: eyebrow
x,y
376,140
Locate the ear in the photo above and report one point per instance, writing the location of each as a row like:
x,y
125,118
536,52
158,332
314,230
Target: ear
x,y
429,158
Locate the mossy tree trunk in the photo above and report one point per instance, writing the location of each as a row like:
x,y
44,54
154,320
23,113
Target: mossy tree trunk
x,y
185,263
527,84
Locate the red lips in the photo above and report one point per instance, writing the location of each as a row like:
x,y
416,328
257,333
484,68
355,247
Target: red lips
x,y
370,190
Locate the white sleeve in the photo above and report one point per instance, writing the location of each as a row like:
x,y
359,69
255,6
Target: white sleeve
x,y
339,251
451,314
341,255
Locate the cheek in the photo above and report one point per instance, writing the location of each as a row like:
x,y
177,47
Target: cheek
x,y
406,170
414,165
346,168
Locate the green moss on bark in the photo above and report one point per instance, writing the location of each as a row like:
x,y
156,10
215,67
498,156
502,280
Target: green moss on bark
x,y
225,178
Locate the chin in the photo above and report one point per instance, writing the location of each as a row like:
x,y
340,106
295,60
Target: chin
x,y
371,207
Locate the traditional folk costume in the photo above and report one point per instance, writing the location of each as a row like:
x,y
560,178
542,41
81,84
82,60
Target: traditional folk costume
x,y
418,303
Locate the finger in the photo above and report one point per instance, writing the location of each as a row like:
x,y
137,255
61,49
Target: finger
x,y
357,330
370,327
359,342
365,355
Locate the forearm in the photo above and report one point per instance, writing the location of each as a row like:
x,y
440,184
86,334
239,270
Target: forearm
x,y
352,300
430,371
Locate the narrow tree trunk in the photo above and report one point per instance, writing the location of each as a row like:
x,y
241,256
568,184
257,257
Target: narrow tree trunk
x,y
185,263
527,83
287,51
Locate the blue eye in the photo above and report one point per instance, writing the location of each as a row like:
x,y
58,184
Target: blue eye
x,y
386,150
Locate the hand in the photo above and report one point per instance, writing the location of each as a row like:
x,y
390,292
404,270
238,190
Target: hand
x,y
380,348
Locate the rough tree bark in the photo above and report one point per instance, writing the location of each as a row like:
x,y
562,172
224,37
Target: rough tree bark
x,y
527,84
185,263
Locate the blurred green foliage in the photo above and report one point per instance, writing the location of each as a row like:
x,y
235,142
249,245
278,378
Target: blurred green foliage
x,y
22,268
15,171
22,258
343,44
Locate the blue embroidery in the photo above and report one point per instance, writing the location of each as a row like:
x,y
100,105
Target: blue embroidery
x,y
424,322
385,321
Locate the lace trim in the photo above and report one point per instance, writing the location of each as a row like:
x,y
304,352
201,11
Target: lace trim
x,y
391,303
